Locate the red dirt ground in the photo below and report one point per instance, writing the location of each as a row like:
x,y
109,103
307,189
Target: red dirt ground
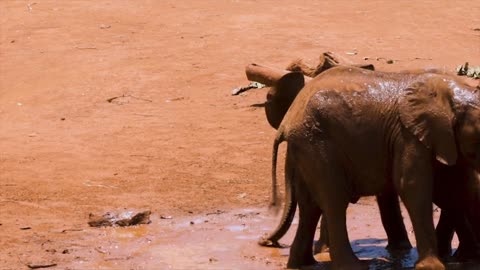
x,y
175,141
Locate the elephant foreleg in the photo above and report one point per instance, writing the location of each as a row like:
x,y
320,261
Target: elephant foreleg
x,y
468,248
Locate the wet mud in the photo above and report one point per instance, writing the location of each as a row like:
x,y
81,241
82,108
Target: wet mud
x,y
222,239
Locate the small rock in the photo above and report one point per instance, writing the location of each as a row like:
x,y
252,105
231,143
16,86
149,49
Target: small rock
x,y
38,266
110,219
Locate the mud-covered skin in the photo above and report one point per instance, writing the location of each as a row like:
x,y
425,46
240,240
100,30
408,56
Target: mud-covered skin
x,y
406,124
279,100
278,103
450,197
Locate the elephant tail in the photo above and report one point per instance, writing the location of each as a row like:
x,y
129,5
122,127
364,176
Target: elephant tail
x,y
289,208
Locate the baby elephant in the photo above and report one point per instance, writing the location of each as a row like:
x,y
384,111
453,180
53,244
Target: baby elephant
x,y
279,101
407,123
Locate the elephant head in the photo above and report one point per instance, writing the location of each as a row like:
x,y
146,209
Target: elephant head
x,y
281,96
444,114
426,110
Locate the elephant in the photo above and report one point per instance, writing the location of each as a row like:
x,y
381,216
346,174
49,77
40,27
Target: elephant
x,y
279,100
408,122
452,197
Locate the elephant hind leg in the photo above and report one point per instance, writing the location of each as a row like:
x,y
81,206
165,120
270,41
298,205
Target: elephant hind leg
x,y
444,233
323,243
392,221
301,253
341,252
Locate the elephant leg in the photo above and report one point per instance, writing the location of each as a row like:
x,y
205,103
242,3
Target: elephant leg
x,y
323,243
444,233
469,247
413,178
392,221
341,252
301,253
419,207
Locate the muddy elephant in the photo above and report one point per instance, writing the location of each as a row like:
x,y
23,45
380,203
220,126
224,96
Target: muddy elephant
x,y
451,196
454,187
279,100
353,132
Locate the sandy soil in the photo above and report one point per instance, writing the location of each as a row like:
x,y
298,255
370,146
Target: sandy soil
x,y
174,141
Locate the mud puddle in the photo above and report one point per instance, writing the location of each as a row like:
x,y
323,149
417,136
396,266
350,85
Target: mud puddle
x,y
218,240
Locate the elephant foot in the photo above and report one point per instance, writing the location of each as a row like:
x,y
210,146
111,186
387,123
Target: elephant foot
x,y
466,255
265,242
301,263
429,263
353,265
399,246
320,247
445,254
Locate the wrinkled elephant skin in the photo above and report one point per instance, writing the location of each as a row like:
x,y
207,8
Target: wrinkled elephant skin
x,y
405,122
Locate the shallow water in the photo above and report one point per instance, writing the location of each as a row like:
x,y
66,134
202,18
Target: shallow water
x,y
228,240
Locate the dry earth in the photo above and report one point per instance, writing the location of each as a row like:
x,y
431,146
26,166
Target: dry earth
x,y
175,141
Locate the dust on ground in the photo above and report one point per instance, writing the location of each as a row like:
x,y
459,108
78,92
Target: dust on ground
x,y
112,105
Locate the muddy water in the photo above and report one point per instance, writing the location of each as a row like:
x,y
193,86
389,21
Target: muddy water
x,y
225,240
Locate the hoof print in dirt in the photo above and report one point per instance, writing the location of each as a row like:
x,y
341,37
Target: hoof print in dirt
x,y
122,219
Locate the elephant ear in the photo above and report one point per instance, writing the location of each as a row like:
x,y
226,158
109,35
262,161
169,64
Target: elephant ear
x,y
281,96
426,111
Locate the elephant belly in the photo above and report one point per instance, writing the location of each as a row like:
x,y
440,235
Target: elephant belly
x,y
365,186
368,179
